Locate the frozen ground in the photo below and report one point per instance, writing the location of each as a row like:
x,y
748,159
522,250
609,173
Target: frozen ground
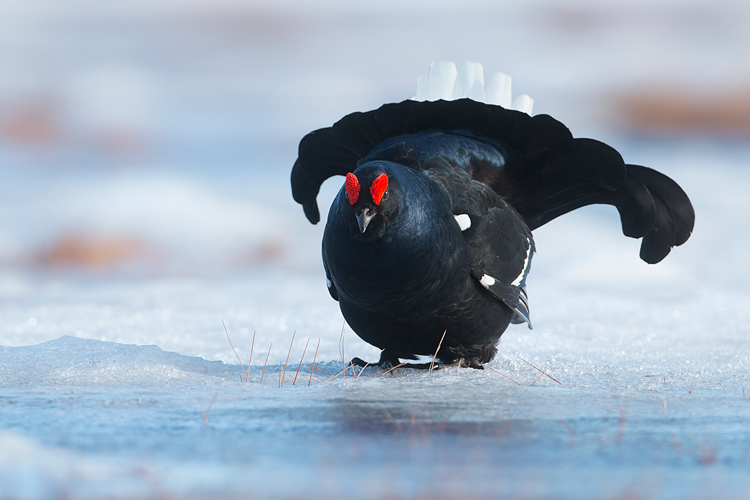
x,y
107,385
128,232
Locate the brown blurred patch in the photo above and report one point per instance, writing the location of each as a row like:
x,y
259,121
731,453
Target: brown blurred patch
x,y
122,143
247,22
267,252
96,253
30,122
671,110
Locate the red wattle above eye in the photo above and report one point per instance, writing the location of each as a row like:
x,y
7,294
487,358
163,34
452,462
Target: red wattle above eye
x,y
379,185
352,188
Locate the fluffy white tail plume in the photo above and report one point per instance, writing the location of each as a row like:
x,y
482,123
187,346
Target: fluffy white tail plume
x,y
446,81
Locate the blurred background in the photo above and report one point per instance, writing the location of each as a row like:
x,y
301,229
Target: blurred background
x,y
145,154
157,137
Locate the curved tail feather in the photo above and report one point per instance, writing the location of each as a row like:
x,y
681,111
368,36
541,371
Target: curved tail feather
x,y
546,172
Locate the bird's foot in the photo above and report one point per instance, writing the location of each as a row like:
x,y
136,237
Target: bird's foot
x,y
466,363
387,362
390,362
359,362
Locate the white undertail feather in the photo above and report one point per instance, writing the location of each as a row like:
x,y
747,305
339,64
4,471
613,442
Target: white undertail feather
x,y
464,221
470,82
446,81
499,90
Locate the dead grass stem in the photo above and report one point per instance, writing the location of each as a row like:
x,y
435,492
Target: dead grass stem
x,y
341,349
539,370
300,361
283,377
233,349
503,375
309,382
432,363
367,364
265,364
250,361
208,410
389,370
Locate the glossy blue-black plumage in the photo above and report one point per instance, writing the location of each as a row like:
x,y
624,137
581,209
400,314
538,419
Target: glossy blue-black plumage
x,y
415,275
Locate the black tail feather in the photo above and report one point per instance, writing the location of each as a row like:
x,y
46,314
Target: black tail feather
x,y
547,172
592,161
636,206
658,242
335,150
651,205
674,197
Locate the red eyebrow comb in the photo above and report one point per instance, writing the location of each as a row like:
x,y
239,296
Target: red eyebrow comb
x,y
379,185
352,187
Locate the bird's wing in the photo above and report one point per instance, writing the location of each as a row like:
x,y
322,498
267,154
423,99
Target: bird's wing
x,y
501,249
336,150
330,285
537,166
500,243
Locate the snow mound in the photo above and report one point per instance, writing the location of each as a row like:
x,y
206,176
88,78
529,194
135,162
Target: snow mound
x,y
74,361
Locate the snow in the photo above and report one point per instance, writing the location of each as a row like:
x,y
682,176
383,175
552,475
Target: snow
x,y
117,378
127,387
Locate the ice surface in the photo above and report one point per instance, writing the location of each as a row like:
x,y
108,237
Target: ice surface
x,y
653,399
175,125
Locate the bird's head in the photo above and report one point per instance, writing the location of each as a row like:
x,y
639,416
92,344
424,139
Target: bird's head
x,y
373,196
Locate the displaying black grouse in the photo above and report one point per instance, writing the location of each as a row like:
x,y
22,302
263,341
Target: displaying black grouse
x,y
430,237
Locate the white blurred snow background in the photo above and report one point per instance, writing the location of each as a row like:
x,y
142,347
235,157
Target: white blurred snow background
x,y
145,152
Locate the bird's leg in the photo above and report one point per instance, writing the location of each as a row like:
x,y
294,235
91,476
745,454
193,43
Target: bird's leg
x,y
471,363
464,363
385,361
388,362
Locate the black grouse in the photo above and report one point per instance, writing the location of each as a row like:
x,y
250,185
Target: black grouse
x,y
429,241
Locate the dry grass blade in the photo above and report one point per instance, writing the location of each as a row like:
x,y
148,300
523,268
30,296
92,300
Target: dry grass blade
x,y
313,365
432,363
501,374
367,364
569,431
389,370
696,385
621,425
232,345
266,363
539,370
395,422
341,348
250,362
208,410
300,361
283,377
342,371
315,368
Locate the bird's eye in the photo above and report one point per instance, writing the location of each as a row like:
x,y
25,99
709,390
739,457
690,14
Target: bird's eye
x,y
385,196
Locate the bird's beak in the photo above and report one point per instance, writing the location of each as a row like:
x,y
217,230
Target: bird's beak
x,y
364,217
